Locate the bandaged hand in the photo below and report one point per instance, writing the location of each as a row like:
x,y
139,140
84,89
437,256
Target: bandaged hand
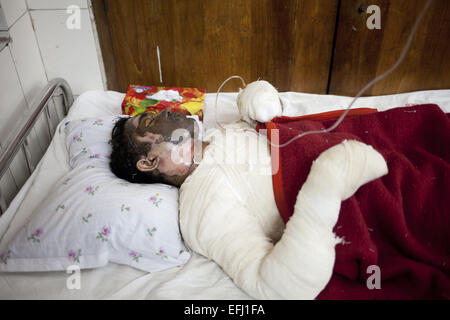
x,y
259,101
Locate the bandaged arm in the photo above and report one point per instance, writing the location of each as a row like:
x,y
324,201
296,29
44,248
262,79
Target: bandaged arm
x,y
301,263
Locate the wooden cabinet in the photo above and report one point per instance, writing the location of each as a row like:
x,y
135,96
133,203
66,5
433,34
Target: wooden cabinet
x,y
315,46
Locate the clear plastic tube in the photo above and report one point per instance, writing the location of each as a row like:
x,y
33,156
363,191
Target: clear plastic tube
x,y
218,92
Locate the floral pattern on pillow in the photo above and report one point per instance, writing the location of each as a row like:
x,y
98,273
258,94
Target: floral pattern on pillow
x,y
91,217
74,255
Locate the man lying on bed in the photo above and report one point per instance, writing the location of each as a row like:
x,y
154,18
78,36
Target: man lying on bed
x,y
227,208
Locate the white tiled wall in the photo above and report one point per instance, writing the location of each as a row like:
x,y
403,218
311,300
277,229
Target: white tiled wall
x,y
42,48
13,9
27,58
68,53
12,101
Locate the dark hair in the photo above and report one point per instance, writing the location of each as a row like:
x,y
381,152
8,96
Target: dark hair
x,y
125,153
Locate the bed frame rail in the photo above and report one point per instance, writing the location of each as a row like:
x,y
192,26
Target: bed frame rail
x,y
56,88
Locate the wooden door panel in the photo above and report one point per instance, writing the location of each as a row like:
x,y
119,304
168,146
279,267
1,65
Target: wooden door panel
x,y
287,42
361,54
135,60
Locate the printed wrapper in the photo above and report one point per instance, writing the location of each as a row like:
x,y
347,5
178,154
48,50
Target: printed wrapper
x,y
140,99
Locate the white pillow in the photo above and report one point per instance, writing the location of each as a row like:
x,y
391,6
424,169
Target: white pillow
x,y
91,217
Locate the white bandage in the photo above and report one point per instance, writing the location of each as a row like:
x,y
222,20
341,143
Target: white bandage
x,y
259,101
301,263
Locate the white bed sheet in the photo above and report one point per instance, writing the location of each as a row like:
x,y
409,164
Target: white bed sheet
x,y
199,278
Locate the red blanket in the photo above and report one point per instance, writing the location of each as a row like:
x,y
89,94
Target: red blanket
x,y
400,222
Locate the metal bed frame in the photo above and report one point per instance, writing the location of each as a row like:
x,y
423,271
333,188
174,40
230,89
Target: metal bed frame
x,y
55,88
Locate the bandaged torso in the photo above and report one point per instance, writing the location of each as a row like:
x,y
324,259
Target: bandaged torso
x,y
236,168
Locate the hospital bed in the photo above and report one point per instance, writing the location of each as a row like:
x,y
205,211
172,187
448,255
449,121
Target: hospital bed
x,y
198,277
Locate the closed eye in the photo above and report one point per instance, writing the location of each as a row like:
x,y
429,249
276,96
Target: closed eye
x,y
148,121
145,120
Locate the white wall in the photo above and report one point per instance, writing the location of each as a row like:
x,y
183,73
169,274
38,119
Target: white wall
x,y
43,48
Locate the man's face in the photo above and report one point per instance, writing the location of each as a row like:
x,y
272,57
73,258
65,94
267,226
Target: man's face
x,y
170,136
163,123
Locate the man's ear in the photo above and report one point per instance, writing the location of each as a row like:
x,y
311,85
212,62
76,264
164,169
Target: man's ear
x,y
147,165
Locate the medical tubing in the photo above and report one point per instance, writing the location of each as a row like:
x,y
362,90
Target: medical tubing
x,y
370,84
218,92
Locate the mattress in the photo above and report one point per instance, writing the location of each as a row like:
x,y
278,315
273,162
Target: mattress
x,y
200,278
